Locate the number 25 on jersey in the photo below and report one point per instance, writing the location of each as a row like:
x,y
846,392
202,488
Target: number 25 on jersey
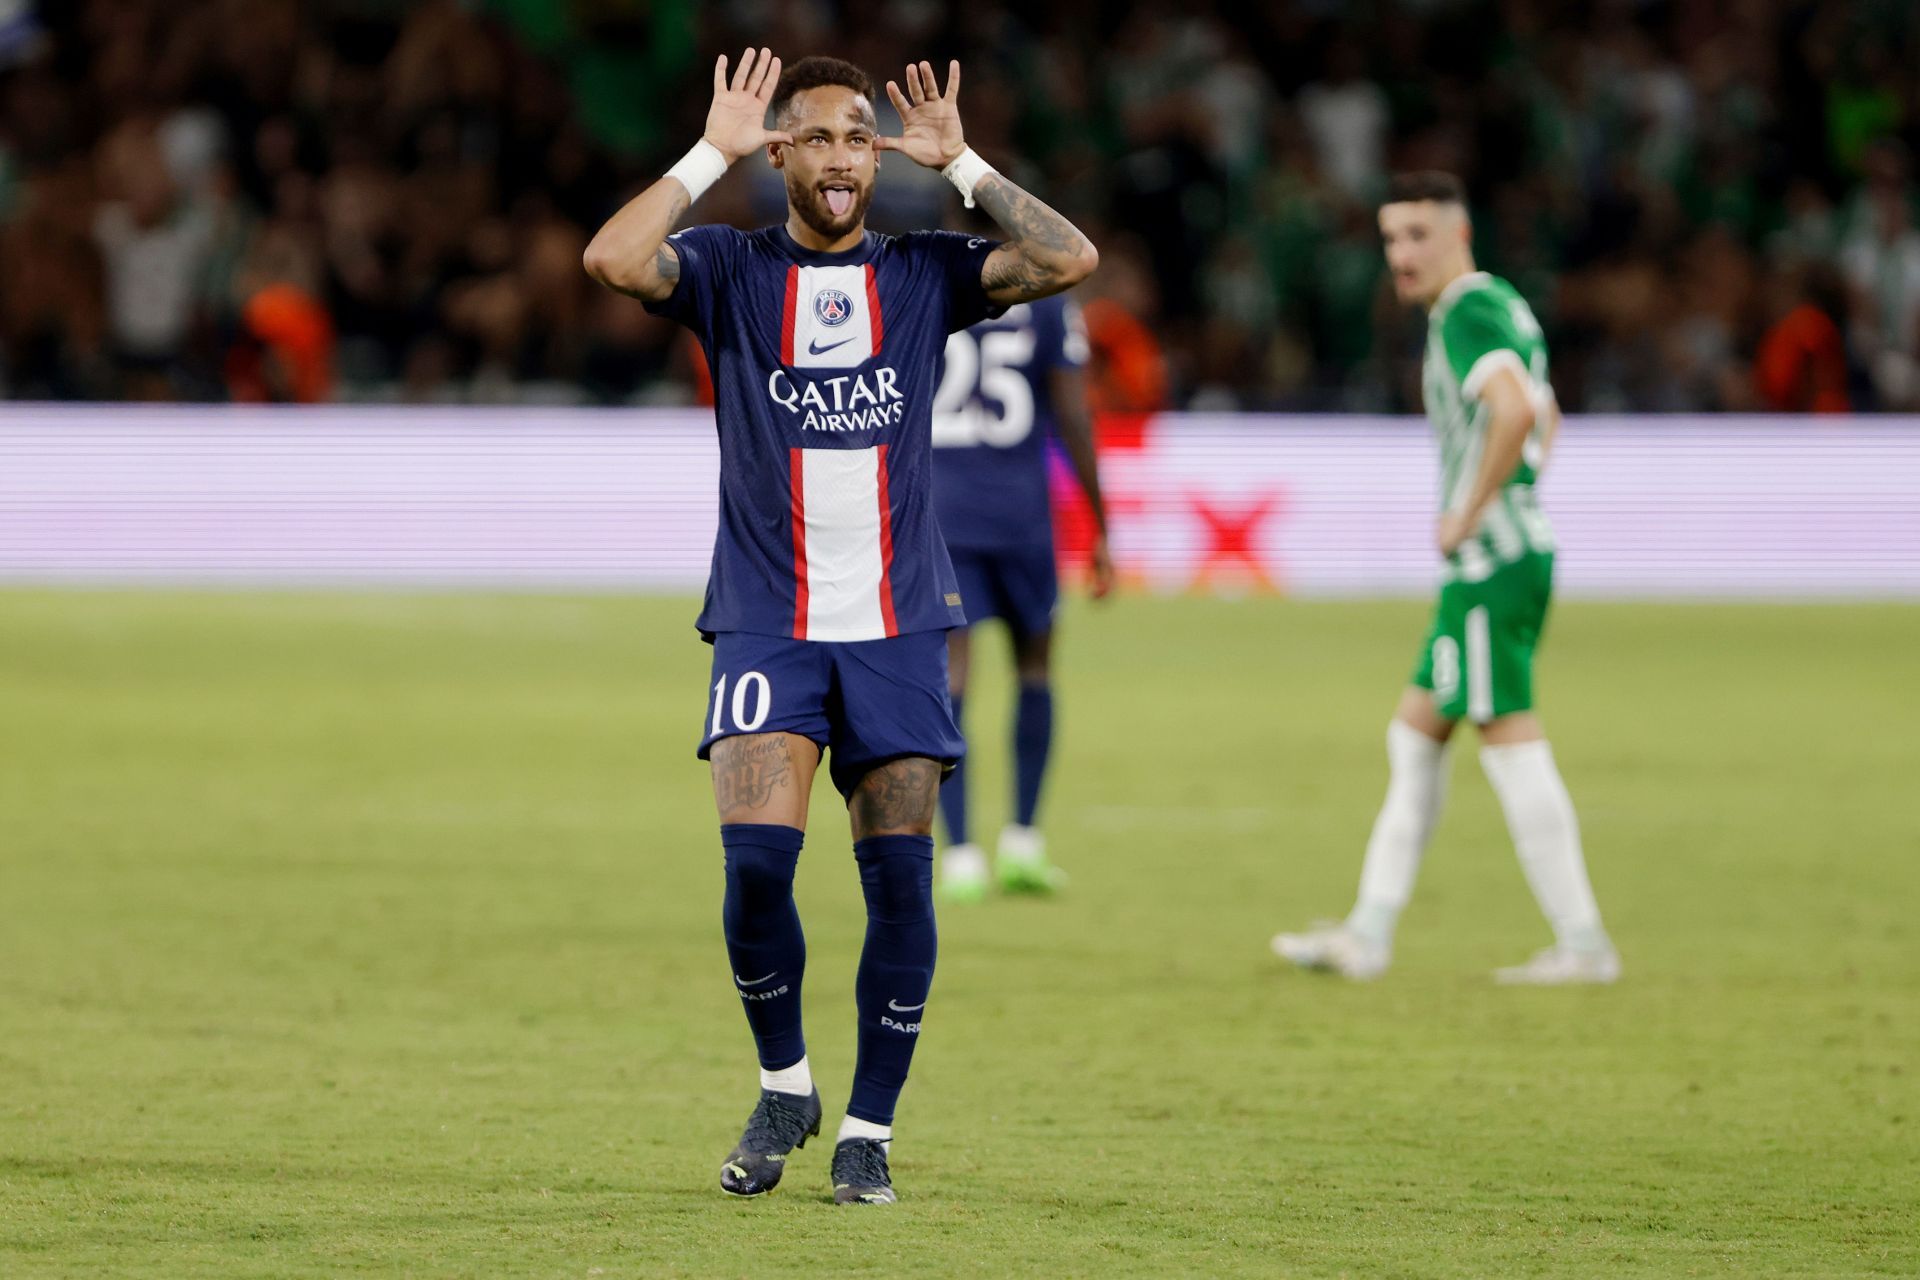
x,y
983,397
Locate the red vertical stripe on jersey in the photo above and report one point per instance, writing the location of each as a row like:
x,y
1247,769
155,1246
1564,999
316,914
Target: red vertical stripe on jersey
x,y
886,526
873,314
788,317
798,481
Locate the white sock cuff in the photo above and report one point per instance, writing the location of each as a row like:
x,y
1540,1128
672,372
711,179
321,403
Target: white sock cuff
x,y
796,1079
855,1127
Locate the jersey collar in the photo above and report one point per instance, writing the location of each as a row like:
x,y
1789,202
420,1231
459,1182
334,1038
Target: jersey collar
x,y
818,258
1451,294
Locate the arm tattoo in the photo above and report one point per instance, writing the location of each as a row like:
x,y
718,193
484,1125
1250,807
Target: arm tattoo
x,y
1030,222
1038,238
747,771
897,796
1008,268
666,263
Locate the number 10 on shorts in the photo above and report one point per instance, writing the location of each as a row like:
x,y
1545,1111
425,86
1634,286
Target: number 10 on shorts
x,y
752,703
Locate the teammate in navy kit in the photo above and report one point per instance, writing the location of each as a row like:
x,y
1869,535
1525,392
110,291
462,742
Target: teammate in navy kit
x,y
1006,385
831,592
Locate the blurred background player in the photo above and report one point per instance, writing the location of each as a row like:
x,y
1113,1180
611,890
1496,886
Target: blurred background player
x,y
1006,385
831,590
1494,416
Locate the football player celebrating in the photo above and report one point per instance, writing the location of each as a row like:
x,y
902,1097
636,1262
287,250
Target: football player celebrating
x,y
831,592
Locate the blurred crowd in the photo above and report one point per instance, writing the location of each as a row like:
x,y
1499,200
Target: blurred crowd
x,y
1710,203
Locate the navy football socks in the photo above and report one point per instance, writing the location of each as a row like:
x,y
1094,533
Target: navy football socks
x,y
1032,740
896,968
764,941
953,792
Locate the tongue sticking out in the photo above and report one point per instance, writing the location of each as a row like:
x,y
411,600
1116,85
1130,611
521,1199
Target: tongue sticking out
x,y
839,200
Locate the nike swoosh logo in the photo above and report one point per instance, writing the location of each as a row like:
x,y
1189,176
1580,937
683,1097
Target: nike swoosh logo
x,y
756,982
906,1008
815,349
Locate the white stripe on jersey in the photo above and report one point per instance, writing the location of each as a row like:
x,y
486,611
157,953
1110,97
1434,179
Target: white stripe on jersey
x,y
836,320
1479,666
846,551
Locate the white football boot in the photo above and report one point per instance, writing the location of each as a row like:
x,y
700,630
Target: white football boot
x,y
1334,948
1563,967
1020,860
963,874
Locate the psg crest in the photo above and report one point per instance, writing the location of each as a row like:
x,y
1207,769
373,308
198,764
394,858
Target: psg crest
x,y
832,307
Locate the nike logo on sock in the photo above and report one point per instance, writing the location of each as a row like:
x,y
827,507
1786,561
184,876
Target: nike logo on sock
x,y
756,982
906,1008
815,349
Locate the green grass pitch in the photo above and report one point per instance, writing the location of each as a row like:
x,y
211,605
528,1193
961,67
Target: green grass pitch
x,y
380,935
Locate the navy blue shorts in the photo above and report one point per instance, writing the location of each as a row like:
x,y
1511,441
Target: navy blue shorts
x,y
1020,585
864,702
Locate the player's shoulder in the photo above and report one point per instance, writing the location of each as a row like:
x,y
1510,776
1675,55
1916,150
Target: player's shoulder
x,y
1479,302
1476,291
711,235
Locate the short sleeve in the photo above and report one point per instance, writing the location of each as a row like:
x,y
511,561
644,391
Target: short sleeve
x,y
958,259
1482,336
707,255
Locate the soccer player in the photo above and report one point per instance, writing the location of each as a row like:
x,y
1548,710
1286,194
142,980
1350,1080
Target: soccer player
x,y
1494,416
831,592
1005,385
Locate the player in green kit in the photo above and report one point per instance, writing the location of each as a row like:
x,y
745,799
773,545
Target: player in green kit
x,y
1494,416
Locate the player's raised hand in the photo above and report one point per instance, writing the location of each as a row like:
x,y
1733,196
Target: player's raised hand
x,y
737,120
931,119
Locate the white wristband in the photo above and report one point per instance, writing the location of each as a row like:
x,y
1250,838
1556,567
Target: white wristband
x,y
699,169
967,168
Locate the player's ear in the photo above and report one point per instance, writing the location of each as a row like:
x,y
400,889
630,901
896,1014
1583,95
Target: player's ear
x,y
775,156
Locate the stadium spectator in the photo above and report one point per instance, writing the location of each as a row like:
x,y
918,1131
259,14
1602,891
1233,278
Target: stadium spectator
x,y
1347,116
419,169
154,246
285,353
1881,258
1127,372
1801,366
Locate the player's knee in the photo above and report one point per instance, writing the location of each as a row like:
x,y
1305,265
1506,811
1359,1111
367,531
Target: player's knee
x,y
760,862
1033,658
896,877
959,654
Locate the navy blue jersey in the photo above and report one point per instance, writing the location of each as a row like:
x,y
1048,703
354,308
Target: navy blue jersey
x,y
823,379
991,420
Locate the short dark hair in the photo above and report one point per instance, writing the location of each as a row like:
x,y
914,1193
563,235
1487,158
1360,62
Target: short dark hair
x,y
1426,184
816,73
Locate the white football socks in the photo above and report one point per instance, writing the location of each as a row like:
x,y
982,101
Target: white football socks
x,y
796,1079
963,862
1546,834
1416,792
854,1127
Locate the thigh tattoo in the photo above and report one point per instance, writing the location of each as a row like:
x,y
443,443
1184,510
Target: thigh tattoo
x,y
747,771
899,795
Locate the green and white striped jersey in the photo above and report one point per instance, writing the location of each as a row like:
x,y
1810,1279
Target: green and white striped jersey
x,y
1477,326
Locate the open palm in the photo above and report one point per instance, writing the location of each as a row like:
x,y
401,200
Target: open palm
x,y
931,132
737,120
